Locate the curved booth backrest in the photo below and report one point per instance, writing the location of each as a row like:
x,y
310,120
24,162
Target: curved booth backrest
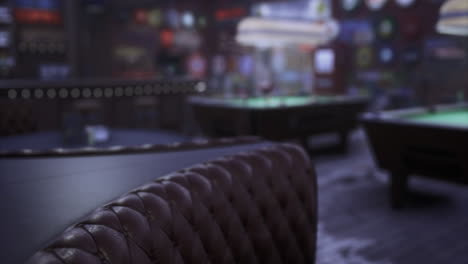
x,y
253,207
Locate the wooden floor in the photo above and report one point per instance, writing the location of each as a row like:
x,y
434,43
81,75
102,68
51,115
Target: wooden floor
x,y
358,226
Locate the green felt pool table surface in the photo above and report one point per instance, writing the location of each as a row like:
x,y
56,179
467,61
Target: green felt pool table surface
x,y
457,118
285,101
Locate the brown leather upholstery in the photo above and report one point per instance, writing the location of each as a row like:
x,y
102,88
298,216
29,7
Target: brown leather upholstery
x,y
257,207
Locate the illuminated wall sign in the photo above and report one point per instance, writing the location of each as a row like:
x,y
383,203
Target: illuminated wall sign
x,y
129,54
141,16
319,9
4,39
167,38
219,64
364,57
47,4
154,18
363,36
411,55
172,18
5,15
450,53
357,32
187,39
405,3
43,40
412,27
39,11
386,28
303,10
188,19
196,65
54,71
230,13
202,21
7,61
38,4
325,61
375,4
386,55
350,5
37,16
443,48
246,65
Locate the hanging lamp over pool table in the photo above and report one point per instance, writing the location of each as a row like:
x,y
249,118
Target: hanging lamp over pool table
x,y
269,32
279,26
453,18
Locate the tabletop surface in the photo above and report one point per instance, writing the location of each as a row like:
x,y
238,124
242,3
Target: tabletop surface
x,y
275,101
449,117
121,137
41,197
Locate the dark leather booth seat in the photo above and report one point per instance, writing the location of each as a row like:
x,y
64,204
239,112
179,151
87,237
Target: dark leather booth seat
x,y
254,207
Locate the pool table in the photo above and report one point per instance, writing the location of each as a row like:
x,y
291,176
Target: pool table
x,y
420,141
279,118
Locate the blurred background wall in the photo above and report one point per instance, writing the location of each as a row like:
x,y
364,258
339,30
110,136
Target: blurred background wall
x,y
388,50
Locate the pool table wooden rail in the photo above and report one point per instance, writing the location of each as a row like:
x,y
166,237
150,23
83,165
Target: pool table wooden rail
x,y
404,147
218,119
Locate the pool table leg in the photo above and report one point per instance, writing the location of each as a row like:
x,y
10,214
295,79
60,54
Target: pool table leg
x,y
343,144
305,142
398,189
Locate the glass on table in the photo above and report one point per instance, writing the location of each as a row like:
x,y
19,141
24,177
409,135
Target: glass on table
x,y
266,89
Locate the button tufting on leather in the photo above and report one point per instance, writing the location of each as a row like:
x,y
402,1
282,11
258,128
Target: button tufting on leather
x,y
270,183
102,256
245,222
263,212
125,232
247,208
211,210
302,197
283,203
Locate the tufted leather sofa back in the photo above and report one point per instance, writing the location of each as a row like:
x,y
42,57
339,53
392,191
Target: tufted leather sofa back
x,y
256,207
